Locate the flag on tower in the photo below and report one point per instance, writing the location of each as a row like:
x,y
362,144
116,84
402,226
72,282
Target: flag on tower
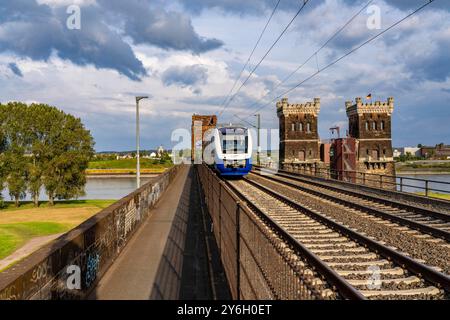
x,y
369,96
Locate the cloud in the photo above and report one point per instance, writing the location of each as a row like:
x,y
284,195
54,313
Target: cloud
x,y
185,76
153,25
39,31
15,69
248,7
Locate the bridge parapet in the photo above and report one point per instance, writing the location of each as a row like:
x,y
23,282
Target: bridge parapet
x,y
82,256
259,263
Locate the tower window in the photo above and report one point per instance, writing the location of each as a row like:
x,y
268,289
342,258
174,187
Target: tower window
x,y
293,127
374,125
308,127
300,126
382,125
367,125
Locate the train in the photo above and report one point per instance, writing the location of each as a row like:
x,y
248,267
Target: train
x,y
232,150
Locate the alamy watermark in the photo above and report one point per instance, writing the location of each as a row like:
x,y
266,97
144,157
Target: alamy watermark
x,y
73,21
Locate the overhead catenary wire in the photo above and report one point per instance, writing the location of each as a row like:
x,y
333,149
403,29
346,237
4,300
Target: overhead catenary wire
x,y
315,54
252,52
345,55
305,2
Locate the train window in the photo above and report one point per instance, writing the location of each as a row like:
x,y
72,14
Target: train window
x,y
234,140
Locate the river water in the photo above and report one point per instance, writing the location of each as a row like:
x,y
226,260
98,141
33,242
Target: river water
x,y
418,186
99,188
110,188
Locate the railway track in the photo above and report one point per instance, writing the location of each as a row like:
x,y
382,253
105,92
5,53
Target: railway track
x,y
357,263
434,223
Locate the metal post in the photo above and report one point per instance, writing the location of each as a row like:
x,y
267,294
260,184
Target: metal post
x,y
258,127
401,184
138,164
426,188
238,252
381,181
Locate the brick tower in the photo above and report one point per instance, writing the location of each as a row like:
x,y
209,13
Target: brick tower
x,y
370,124
299,138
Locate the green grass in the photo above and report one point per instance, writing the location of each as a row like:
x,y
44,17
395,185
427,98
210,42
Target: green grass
x,y
436,195
14,235
128,164
101,204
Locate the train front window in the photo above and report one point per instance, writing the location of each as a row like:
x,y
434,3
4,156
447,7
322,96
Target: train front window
x,y
234,140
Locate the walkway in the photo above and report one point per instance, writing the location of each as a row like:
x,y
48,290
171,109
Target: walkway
x,y
167,257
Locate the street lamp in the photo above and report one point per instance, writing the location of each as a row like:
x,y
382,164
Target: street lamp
x,y
258,127
138,165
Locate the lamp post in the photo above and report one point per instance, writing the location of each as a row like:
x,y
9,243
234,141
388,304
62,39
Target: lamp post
x,y
138,164
258,127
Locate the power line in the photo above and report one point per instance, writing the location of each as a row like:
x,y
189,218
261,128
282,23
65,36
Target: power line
x,y
314,54
251,54
346,55
266,54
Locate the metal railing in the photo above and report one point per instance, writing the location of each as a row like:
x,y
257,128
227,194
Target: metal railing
x,y
259,261
425,187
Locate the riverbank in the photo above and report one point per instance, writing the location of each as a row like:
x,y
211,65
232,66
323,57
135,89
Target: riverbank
x,y
25,229
419,172
423,167
123,172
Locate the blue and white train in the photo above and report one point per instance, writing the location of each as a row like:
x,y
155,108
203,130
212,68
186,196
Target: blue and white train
x,y
232,150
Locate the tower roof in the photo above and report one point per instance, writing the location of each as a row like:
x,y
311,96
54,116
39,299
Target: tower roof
x,y
285,108
360,108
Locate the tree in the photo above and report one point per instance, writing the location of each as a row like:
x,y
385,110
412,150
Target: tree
x,y
70,152
42,146
16,137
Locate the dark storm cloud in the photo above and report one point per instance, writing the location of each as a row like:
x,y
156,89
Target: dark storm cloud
x,y
247,7
434,66
185,76
147,24
28,29
413,4
15,69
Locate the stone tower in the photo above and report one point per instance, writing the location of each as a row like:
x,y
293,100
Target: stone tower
x,y
370,124
299,138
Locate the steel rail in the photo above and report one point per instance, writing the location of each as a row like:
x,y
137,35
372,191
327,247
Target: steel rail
x,y
433,276
372,211
340,284
390,202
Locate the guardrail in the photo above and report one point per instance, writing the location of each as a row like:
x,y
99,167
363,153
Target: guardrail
x,y
70,266
258,262
425,187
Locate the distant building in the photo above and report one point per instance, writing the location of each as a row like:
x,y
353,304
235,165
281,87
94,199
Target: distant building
x,y
370,125
299,137
414,151
200,125
439,152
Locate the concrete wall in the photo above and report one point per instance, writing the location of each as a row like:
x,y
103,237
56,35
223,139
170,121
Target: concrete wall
x,y
91,248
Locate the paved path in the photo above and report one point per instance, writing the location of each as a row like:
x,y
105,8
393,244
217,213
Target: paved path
x,y
166,258
27,249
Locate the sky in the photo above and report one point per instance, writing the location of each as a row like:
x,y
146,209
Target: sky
x,y
187,54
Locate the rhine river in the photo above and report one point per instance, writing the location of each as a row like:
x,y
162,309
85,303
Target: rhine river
x,y
110,188
99,188
417,186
